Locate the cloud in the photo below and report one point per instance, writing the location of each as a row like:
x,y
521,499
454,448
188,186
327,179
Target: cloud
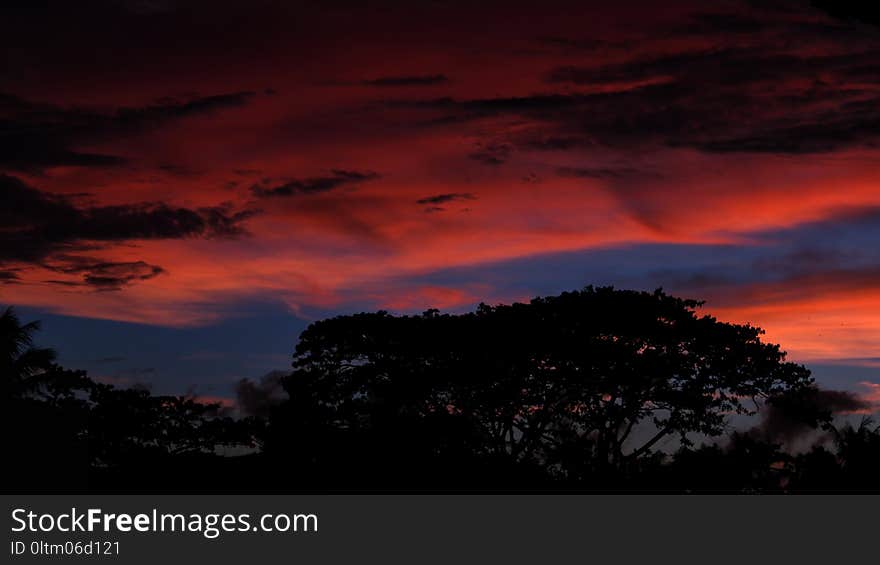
x,y
313,185
787,421
9,276
408,80
555,143
433,203
825,134
588,44
727,119
597,172
493,153
756,95
723,22
36,136
38,224
258,398
448,197
418,298
849,10
710,102
872,396
102,275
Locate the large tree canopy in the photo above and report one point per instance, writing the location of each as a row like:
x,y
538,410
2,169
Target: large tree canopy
x,y
581,382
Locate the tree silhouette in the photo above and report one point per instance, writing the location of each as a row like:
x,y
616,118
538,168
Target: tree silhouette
x,y
585,383
68,432
596,389
21,361
44,413
858,453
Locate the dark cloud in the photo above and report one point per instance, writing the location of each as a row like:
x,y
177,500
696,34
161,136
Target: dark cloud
x,y
247,172
36,136
598,172
580,44
552,143
857,10
473,109
493,153
258,398
642,69
848,215
408,80
693,282
786,421
774,24
719,67
565,121
103,275
724,22
444,198
826,133
38,224
843,237
313,185
801,262
9,276
752,89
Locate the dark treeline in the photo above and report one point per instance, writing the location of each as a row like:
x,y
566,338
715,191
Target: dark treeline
x,y
599,389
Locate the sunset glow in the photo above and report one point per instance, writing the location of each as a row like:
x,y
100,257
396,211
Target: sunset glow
x,y
460,154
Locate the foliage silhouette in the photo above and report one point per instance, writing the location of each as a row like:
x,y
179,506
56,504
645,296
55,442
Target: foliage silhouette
x,y
599,389
583,384
71,433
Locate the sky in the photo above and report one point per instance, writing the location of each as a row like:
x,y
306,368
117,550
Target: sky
x,y
187,184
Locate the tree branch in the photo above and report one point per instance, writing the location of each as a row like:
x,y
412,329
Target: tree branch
x,y
650,443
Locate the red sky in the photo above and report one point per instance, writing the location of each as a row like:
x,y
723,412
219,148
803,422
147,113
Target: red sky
x,y
170,162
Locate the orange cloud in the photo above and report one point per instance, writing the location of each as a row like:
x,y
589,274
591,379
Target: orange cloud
x,y
593,155
873,394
